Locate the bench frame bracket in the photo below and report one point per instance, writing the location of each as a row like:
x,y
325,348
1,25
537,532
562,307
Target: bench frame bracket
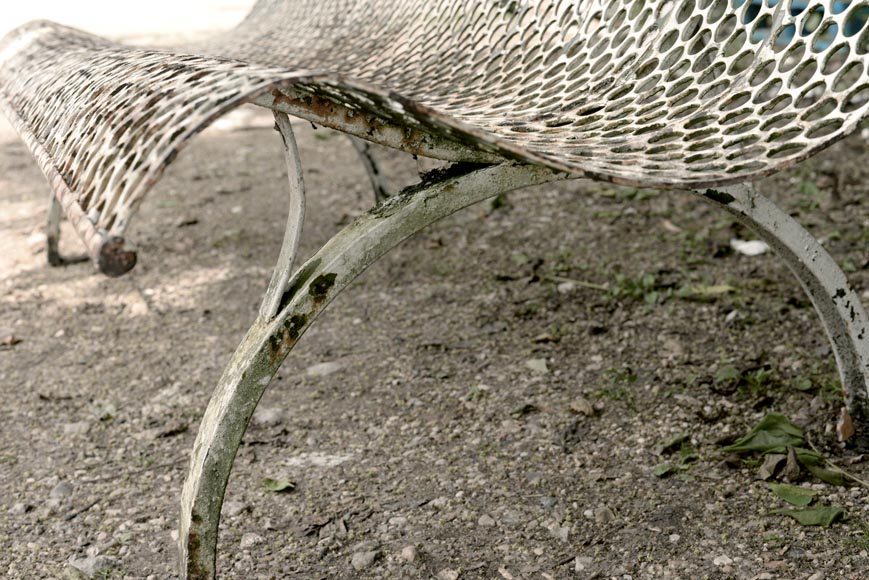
x,y
291,304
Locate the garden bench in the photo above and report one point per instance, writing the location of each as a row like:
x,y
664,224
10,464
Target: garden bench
x,y
699,95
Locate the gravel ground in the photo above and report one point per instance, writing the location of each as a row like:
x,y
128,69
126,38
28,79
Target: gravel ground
x,y
489,401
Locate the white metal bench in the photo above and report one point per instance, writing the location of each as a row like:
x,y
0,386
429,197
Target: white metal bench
x,y
704,95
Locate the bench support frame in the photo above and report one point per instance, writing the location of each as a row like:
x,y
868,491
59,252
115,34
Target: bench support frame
x,y
295,299
838,305
291,304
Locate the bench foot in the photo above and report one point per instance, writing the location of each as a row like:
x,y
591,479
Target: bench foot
x,y
289,308
838,306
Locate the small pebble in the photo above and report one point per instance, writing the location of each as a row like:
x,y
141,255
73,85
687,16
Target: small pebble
x,y
96,566
363,560
251,540
582,563
409,553
818,576
486,521
80,428
604,515
722,561
439,503
61,490
448,575
324,369
269,417
19,509
559,533
548,501
234,508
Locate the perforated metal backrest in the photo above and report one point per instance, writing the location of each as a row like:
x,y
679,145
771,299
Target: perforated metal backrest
x,y
655,93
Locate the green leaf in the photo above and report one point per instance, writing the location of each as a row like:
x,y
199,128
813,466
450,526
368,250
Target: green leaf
x,y
808,457
793,494
279,485
663,470
819,516
774,433
726,374
672,445
803,384
831,477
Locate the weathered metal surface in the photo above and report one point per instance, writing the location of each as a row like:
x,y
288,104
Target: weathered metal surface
x,y
356,118
838,306
663,93
295,220
304,296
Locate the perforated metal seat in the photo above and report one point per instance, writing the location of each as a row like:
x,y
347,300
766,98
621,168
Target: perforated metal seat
x,y
691,94
666,94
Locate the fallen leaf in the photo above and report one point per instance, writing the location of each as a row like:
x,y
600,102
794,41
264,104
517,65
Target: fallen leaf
x,y
770,465
792,467
819,516
726,375
803,384
827,475
793,494
279,485
845,426
774,433
663,470
582,406
673,444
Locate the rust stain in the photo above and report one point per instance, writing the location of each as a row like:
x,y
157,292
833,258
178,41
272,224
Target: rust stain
x,y
281,343
320,286
195,569
334,115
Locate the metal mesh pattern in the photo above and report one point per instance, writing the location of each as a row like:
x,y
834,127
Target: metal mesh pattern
x,y
683,93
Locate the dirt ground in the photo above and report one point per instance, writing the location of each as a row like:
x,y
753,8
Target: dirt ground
x,y
489,401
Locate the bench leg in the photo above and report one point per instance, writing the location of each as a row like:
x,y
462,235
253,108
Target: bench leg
x,y
55,214
288,310
378,183
838,306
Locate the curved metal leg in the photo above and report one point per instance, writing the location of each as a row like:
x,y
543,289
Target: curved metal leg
x,y
55,214
378,184
299,301
839,307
